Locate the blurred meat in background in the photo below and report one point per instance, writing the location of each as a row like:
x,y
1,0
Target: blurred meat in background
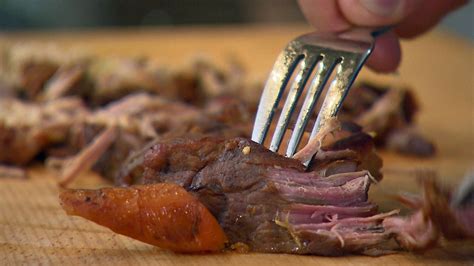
x,y
78,14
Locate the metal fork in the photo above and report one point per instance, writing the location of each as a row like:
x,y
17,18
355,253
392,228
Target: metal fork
x,y
345,52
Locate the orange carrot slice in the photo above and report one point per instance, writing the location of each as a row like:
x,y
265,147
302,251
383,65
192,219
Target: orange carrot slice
x,y
164,215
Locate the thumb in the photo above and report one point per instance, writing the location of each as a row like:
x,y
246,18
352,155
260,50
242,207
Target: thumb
x,y
376,12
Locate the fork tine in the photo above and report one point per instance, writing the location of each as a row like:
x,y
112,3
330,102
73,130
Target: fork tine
x,y
284,66
323,71
347,51
307,65
346,71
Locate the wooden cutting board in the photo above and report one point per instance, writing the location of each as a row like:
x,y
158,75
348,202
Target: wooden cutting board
x,y
34,229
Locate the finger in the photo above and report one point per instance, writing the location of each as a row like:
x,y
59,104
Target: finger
x,y
376,12
328,16
386,54
425,18
324,15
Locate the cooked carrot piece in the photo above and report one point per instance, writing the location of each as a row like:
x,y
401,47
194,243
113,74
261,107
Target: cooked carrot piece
x,y
164,215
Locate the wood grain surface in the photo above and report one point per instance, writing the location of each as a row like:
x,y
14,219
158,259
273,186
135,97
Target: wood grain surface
x,y
439,67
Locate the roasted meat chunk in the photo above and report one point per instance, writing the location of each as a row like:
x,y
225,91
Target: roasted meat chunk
x,y
257,195
269,203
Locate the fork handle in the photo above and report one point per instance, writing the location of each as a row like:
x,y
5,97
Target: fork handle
x,y
363,34
379,31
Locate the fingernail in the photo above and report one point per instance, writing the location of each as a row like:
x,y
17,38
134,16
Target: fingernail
x,y
381,7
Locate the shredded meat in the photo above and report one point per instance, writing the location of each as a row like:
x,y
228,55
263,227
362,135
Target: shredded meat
x,y
31,128
389,114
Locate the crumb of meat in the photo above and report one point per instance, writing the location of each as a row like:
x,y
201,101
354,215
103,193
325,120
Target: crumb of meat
x,y
373,134
246,150
240,247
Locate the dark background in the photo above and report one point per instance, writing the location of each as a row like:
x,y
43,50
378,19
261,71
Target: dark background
x,y
79,14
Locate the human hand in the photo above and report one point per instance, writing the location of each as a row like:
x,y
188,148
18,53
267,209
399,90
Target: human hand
x,y
410,17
